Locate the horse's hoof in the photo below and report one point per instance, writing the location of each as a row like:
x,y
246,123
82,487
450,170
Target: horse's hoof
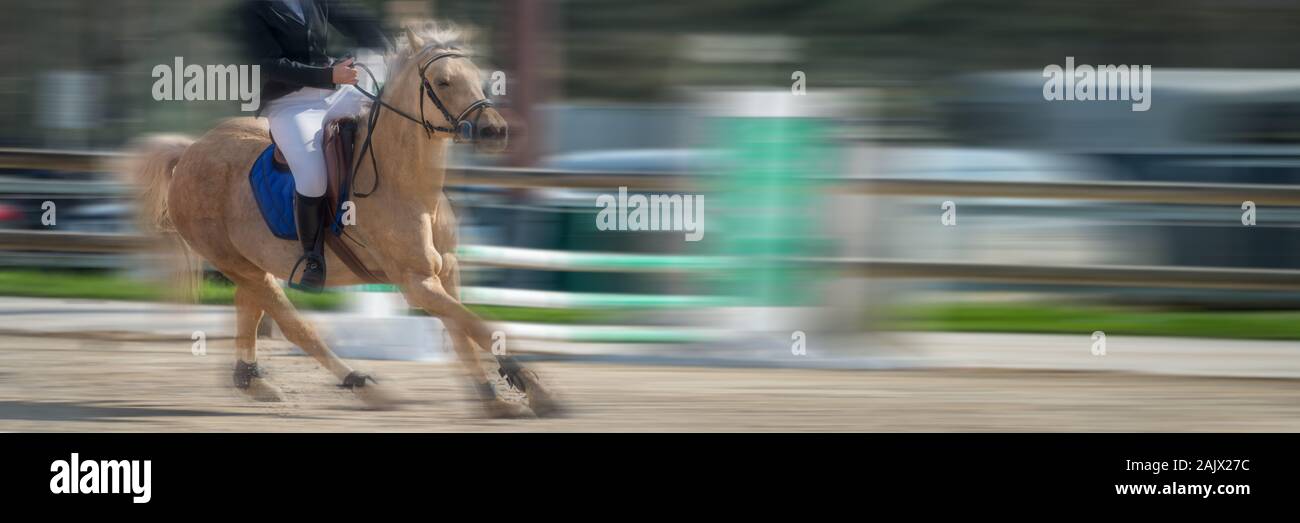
x,y
502,409
249,380
376,397
259,389
368,389
540,398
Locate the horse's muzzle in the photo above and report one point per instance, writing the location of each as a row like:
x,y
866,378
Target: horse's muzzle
x,y
493,138
491,133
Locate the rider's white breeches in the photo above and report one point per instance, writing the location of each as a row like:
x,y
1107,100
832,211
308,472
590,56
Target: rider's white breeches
x,y
297,123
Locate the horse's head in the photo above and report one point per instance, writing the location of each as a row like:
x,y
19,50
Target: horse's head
x,y
449,90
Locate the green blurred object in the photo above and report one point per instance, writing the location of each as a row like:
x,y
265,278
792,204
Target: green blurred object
x,y
768,205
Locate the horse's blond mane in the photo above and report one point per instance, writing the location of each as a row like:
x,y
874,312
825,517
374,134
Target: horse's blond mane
x,y
435,35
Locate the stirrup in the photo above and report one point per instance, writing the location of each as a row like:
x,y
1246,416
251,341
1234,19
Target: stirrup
x,y
309,258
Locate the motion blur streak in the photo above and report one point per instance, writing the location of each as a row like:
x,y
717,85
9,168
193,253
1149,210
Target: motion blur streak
x,y
777,113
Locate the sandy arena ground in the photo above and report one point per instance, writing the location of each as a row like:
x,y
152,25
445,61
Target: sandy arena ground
x,y
92,384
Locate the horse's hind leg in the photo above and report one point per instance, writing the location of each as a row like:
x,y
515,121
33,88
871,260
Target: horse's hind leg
x,y
267,295
248,377
460,340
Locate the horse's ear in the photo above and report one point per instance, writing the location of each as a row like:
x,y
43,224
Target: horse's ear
x,y
415,41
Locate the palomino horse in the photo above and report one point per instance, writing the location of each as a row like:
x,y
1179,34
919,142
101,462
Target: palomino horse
x,y
404,228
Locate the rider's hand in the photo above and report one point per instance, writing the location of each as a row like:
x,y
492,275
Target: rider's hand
x,y
344,73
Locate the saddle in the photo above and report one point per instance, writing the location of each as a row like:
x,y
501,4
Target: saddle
x,y
273,188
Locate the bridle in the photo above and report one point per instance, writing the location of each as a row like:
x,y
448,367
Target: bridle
x,y
461,129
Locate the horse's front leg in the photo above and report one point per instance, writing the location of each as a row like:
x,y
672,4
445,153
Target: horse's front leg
x,y
540,398
432,289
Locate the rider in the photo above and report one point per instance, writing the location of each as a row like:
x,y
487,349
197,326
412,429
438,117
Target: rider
x,y
302,89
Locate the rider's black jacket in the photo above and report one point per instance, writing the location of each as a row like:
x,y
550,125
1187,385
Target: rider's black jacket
x,y
292,54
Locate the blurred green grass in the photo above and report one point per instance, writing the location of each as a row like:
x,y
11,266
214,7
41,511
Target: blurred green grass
x,y
108,286
1050,318
541,315
1046,318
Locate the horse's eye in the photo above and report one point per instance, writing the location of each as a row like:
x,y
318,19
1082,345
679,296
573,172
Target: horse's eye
x,y
444,83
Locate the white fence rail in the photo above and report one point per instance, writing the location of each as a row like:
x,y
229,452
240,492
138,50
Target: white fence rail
x,y
536,259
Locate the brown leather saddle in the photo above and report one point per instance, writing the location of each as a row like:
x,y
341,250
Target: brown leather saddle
x,y
339,141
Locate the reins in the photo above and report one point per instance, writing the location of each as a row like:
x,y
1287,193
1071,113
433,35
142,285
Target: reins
x,y
460,129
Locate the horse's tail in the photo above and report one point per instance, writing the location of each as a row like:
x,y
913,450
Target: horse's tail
x,y
149,165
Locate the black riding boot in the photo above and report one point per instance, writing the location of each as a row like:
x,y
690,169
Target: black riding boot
x,y
311,226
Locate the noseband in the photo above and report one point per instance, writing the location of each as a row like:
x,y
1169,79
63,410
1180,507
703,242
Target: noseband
x,y
461,129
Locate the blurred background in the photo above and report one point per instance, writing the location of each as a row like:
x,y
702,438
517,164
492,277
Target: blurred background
x,y
825,207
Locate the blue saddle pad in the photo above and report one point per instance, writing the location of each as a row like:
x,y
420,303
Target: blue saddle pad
x,y
273,189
